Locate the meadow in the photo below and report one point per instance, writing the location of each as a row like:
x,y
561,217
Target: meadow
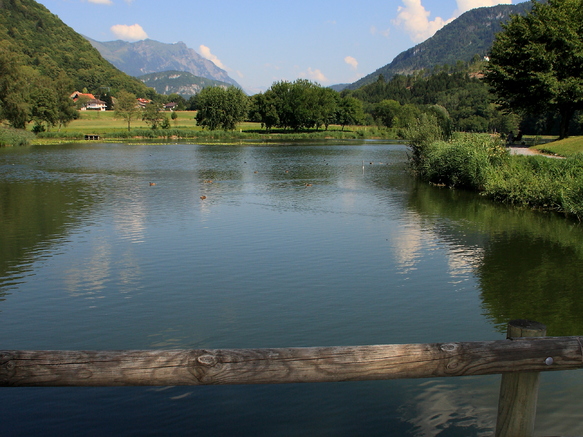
x,y
107,126
568,147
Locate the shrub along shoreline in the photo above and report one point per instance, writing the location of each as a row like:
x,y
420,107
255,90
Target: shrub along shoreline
x,y
482,163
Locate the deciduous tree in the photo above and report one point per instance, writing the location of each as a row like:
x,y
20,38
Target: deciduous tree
x,y
126,107
536,63
14,90
220,108
153,114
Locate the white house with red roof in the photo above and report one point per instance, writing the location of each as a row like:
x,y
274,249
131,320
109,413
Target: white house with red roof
x,y
92,104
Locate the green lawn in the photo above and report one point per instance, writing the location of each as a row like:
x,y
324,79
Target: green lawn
x,y
567,147
99,122
105,124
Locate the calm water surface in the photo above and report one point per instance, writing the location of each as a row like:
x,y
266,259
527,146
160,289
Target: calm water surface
x,y
294,245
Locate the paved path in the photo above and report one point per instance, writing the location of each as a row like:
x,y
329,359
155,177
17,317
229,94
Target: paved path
x,y
530,152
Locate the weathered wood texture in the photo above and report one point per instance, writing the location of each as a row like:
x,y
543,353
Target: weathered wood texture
x,y
519,391
286,365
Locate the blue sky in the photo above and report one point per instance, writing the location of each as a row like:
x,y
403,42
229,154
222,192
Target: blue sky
x,y
259,42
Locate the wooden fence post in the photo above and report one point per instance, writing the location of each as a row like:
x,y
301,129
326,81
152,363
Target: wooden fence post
x,y
519,391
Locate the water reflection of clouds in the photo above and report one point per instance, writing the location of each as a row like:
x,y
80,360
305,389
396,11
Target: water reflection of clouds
x,y
463,260
88,275
416,236
130,221
408,244
458,405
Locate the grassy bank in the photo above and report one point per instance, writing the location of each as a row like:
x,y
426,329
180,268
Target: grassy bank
x,y
568,147
480,162
184,126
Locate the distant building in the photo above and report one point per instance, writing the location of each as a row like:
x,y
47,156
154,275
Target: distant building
x,y
95,105
143,102
88,102
170,106
77,95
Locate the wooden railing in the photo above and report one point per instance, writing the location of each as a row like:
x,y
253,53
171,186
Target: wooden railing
x,y
517,355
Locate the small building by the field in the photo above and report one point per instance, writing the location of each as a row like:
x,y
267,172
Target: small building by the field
x,y
95,105
170,106
143,102
89,102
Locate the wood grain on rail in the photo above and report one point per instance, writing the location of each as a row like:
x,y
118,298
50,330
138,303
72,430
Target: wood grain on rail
x,y
287,365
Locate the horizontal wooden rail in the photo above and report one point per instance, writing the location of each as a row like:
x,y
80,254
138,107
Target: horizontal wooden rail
x,y
287,365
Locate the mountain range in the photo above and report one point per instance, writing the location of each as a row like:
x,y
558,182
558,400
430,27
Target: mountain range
x,y
149,56
48,45
179,82
470,35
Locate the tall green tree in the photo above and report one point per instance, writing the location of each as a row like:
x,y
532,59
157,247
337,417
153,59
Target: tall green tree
x,y
387,111
536,63
44,104
126,107
326,106
349,111
221,108
153,115
15,81
264,109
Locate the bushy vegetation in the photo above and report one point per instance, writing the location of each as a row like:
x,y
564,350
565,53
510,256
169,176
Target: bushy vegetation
x,y
481,162
15,137
540,182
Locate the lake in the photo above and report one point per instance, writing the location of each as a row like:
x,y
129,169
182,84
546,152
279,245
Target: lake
x,y
162,246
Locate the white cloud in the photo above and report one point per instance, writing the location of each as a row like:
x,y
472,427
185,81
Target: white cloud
x,y
351,61
129,33
100,2
466,5
206,53
385,33
273,66
414,19
315,75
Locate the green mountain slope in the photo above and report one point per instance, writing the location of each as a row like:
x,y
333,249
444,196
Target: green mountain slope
x,y
45,43
179,82
469,35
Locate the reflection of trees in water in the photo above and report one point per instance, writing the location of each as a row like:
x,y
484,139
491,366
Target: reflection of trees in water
x,y
523,276
529,262
33,215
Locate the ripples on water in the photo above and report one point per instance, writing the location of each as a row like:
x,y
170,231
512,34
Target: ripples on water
x,y
112,247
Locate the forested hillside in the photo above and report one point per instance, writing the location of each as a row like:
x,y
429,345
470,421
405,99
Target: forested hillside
x,y
469,36
42,41
457,90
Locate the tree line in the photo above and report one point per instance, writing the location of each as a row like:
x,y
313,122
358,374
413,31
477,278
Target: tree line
x,y
297,105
